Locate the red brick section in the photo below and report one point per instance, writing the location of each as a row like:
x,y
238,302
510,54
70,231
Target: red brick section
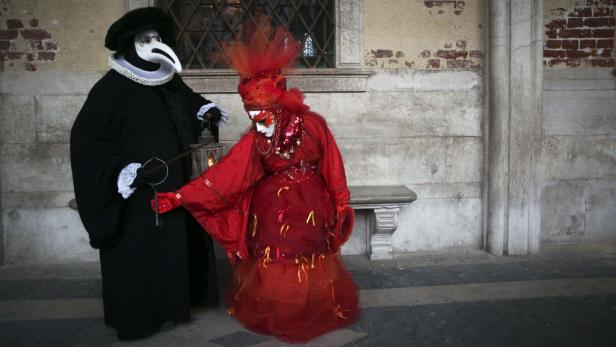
x,y
434,63
584,37
451,57
25,46
456,5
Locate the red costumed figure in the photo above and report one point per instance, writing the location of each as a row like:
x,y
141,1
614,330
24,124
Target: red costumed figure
x,y
278,202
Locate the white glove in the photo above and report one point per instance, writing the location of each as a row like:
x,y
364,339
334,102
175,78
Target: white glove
x,y
126,178
224,115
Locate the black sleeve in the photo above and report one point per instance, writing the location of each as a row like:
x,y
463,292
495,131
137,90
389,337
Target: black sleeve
x,y
195,103
96,160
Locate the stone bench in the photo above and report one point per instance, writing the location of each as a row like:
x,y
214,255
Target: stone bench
x,y
386,202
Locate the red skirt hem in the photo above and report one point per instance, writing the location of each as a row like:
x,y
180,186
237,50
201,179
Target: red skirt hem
x,y
294,300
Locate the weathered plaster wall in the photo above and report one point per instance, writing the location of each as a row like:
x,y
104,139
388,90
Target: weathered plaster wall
x,y
55,35
579,33
424,34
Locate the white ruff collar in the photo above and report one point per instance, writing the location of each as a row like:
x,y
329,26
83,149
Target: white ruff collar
x,y
149,78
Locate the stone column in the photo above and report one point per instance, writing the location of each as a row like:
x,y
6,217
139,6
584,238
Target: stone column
x,y
349,33
513,124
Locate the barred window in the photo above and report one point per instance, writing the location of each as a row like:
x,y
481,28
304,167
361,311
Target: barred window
x,y
203,24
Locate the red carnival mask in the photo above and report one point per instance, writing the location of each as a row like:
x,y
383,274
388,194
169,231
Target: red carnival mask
x,y
264,117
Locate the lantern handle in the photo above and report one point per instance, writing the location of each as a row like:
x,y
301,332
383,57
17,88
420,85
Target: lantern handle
x,y
172,160
165,165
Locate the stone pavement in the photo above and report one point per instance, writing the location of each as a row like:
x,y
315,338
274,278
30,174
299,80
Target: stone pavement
x,y
566,296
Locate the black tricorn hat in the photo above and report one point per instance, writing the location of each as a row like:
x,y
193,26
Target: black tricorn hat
x,y
122,31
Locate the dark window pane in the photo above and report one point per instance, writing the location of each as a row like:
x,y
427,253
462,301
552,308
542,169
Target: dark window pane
x,y
203,24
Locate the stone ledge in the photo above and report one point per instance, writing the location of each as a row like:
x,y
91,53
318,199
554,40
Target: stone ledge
x,y
308,80
365,197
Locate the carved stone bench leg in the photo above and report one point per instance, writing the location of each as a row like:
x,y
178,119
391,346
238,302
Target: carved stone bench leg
x,y
386,222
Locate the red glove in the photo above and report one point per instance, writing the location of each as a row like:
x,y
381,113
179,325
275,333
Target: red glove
x,y
166,202
345,220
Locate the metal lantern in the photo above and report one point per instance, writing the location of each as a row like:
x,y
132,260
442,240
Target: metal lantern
x,y
206,153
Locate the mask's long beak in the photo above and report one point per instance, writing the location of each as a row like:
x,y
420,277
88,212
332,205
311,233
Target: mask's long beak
x,y
161,53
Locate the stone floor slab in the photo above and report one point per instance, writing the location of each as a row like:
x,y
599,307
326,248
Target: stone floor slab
x,y
416,296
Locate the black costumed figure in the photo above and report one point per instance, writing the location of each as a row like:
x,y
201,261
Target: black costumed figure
x,y
277,202
139,113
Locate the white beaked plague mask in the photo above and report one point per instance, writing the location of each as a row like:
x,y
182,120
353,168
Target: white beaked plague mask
x,y
149,47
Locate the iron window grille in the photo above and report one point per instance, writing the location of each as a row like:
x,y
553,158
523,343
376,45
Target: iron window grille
x,y
203,24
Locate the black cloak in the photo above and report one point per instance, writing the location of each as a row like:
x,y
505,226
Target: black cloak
x,y
150,274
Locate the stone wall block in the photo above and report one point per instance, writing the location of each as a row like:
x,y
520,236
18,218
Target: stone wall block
x,y
36,168
464,159
563,210
55,116
48,82
437,224
447,190
45,234
423,80
601,209
17,119
578,157
405,161
579,112
405,114
36,200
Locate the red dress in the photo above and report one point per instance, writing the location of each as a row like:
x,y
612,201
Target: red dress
x,y
279,216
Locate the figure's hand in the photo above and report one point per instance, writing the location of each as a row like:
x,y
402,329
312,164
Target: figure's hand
x,y
345,220
211,113
144,177
166,202
212,116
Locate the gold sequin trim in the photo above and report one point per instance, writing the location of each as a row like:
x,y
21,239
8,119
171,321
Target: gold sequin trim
x,y
302,265
311,217
281,189
254,225
283,230
266,256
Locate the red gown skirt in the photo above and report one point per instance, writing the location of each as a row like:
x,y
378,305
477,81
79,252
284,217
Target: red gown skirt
x,y
292,286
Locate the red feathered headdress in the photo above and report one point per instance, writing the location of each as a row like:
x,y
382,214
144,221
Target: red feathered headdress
x,y
259,59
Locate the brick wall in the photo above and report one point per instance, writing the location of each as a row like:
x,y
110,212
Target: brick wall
x,y
581,36
25,46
